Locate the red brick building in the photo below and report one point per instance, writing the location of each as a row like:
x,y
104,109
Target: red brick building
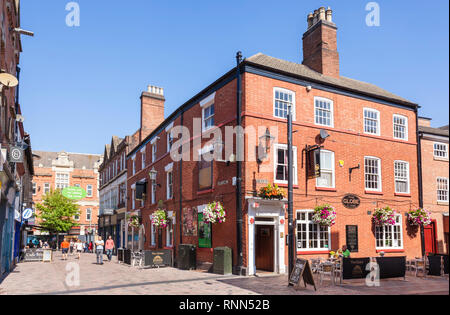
x,y
15,175
371,152
435,185
60,170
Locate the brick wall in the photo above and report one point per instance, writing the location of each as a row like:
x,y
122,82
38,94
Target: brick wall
x,y
432,169
350,144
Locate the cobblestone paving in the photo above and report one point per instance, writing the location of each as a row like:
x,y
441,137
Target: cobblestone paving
x,y
276,285
114,279
118,279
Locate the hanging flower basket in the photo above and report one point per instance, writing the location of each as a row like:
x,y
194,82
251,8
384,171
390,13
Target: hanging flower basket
x,y
134,221
214,213
384,216
324,215
419,217
271,192
159,218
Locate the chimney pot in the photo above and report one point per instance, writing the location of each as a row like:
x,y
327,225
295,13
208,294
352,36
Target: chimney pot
x,y
322,13
329,15
316,16
310,20
155,90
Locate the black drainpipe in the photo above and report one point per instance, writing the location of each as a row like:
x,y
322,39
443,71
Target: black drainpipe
x,y
181,187
419,172
239,221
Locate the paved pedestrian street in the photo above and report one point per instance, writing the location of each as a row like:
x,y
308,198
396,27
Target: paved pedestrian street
x,y
118,279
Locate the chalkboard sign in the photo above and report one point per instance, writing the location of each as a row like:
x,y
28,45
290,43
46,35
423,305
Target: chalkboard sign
x,y
302,269
158,258
352,238
354,268
33,255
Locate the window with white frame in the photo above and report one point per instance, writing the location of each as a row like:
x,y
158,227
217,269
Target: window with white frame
x,y
441,150
62,180
282,100
143,159
88,214
169,141
371,121
153,193
324,112
327,170
169,233
76,217
154,150
133,199
34,189
89,190
281,164
208,117
401,174
400,127
442,189
134,166
153,235
169,185
310,235
390,236
46,188
372,167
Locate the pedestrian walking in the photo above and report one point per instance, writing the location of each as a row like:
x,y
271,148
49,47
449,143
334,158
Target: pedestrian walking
x,y
91,247
71,246
109,247
79,247
86,247
65,245
99,250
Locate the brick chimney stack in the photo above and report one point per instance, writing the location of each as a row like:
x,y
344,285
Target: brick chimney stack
x,y
152,110
320,43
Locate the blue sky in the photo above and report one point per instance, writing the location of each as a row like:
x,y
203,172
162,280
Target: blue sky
x,y
80,86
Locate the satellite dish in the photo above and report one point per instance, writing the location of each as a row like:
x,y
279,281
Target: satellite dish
x,y
8,80
324,134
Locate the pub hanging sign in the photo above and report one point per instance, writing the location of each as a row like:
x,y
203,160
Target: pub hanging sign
x,y
351,201
313,162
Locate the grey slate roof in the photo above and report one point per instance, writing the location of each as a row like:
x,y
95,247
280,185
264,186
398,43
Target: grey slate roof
x,y
307,73
80,160
434,131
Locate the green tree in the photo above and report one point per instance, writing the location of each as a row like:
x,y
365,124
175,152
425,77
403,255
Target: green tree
x,y
57,212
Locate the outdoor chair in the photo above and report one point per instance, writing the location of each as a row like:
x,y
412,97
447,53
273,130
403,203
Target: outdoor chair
x,y
408,265
338,270
315,264
419,265
326,269
137,258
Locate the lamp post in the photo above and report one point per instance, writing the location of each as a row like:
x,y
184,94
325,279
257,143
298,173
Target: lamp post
x,y
290,194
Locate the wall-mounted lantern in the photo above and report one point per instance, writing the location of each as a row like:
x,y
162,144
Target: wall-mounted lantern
x,y
265,143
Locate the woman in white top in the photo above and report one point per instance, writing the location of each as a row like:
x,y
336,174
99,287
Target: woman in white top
x,y
79,247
